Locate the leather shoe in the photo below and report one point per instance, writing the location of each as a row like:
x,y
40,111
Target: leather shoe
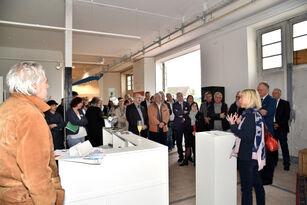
x,y
184,163
266,182
287,167
180,160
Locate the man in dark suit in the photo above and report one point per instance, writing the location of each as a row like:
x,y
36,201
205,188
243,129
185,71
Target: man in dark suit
x,y
134,113
204,109
181,111
146,101
268,112
217,111
281,126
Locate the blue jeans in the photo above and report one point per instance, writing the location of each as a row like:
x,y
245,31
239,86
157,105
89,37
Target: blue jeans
x,y
73,141
250,177
170,136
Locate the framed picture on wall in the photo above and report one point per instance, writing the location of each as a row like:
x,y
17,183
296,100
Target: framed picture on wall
x,y
111,92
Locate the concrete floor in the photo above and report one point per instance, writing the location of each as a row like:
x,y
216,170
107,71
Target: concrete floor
x,y
182,184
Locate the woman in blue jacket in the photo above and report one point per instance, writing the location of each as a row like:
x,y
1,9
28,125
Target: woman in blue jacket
x,y
75,116
249,146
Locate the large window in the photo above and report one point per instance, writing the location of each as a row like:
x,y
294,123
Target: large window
x,y
300,43
182,74
271,49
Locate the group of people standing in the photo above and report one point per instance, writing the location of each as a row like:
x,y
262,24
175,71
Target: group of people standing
x,y
88,118
29,172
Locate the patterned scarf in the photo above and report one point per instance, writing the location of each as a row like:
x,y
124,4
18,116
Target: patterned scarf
x,y
259,143
192,116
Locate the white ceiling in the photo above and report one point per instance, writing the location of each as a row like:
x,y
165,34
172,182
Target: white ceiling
x,y
148,19
144,18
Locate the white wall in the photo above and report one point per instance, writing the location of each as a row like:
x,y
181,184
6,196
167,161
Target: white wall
x,y
298,136
149,75
109,80
144,72
138,76
11,56
224,62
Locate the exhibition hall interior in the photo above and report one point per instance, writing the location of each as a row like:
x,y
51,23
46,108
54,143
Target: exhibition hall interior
x,y
152,54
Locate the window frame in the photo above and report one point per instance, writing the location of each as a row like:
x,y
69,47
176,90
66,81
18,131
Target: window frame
x,y
265,30
127,76
291,22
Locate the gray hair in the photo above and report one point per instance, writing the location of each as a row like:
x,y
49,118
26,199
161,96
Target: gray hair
x,y
265,84
179,93
23,75
157,95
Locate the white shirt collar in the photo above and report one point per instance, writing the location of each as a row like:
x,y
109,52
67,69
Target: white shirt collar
x,y
265,96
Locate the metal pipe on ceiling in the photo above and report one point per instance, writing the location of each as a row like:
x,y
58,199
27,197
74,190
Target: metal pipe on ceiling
x,y
24,59
206,13
66,29
129,9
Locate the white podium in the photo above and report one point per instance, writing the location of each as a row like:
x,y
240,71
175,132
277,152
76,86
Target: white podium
x,y
133,172
216,173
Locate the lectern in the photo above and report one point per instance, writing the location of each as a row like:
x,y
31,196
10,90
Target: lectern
x,y
216,172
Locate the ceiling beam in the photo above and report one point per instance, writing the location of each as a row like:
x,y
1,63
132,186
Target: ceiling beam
x,y
68,29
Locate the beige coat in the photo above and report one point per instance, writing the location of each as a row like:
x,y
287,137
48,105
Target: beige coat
x,y
152,111
28,172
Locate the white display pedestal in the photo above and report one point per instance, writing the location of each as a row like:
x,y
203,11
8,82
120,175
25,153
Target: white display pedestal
x,y
216,173
133,172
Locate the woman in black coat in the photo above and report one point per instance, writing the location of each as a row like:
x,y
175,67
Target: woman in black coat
x,y
56,125
196,124
95,122
249,146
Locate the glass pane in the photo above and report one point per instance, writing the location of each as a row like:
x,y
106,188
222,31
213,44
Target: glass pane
x,y
300,43
129,78
271,37
129,87
271,62
300,28
271,49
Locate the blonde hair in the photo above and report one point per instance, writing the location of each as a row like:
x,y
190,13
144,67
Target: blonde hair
x,y
252,97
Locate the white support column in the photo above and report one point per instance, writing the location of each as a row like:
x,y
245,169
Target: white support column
x,y
68,33
68,55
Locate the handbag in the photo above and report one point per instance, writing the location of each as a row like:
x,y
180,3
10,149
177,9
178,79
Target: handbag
x,y
82,133
271,143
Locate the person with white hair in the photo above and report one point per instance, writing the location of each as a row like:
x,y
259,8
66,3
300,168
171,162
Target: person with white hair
x,y
158,117
28,170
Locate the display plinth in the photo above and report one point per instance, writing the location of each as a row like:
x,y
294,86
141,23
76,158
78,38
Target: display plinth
x,y
216,173
133,172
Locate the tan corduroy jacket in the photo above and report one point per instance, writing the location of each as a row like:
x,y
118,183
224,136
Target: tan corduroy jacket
x,y
152,111
28,172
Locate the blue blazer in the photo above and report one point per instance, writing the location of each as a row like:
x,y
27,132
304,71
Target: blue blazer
x,y
73,118
269,104
180,117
